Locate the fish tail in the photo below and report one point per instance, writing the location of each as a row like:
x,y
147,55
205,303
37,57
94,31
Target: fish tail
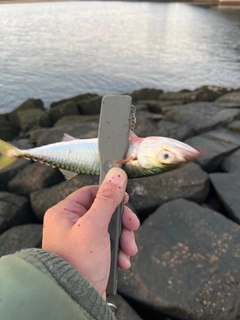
x,y
8,154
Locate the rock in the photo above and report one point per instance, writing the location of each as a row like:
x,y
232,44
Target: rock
x,y
91,106
7,130
189,182
125,311
173,130
14,210
161,106
214,147
224,135
33,118
64,109
43,199
232,162
8,173
77,99
36,135
77,119
234,126
78,130
33,177
202,116
229,100
146,94
26,105
145,125
227,186
187,265
20,237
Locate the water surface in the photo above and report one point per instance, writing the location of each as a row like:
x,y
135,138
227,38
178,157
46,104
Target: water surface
x,y
56,50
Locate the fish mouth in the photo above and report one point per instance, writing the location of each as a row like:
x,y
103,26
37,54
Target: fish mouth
x,y
187,154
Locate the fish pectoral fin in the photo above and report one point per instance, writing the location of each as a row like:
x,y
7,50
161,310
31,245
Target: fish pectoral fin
x,y
67,137
68,174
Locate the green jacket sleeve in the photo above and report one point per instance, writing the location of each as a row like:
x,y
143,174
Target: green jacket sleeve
x,y
39,285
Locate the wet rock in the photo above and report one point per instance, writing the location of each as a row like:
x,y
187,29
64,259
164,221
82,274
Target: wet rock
x,y
212,151
187,265
20,237
78,130
161,106
64,109
125,311
14,210
234,126
36,135
173,130
146,94
33,118
230,100
8,173
202,116
232,162
189,182
7,130
91,106
43,199
227,186
76,119
26,105
33,177
76,99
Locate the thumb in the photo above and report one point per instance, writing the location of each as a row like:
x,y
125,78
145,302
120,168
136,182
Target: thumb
x,y
110,194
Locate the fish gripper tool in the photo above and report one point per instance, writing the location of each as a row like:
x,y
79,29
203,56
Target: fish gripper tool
x,y
117,118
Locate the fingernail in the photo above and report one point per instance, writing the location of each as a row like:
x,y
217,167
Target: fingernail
x,y
116,176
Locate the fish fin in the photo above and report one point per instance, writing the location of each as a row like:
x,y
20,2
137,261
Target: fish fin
x,y
68,174
132,134
5,159
67,137
124,161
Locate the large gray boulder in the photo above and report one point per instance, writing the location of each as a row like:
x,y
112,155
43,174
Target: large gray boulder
x,y
20,237
32,119
214,147
202,116
174,130
8,131
187,266
77,130
33,177
227,186
189,182
26,105
14,210
43,199
229,100
146,94
232,162
62,110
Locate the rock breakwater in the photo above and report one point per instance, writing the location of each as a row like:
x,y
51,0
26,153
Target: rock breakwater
x,y
188,265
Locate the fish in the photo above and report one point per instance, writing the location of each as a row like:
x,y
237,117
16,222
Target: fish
x,y
145,156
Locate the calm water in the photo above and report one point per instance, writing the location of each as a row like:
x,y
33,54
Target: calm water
x,y
56,50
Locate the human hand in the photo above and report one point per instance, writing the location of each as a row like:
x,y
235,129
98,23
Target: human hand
x,y
76,229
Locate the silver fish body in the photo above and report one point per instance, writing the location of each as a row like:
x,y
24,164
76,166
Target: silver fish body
x,y
145,156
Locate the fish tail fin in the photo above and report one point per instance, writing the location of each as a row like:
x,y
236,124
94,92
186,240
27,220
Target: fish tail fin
x,y
6,157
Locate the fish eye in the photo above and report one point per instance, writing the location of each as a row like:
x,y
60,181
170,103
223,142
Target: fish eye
x,y
167,157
